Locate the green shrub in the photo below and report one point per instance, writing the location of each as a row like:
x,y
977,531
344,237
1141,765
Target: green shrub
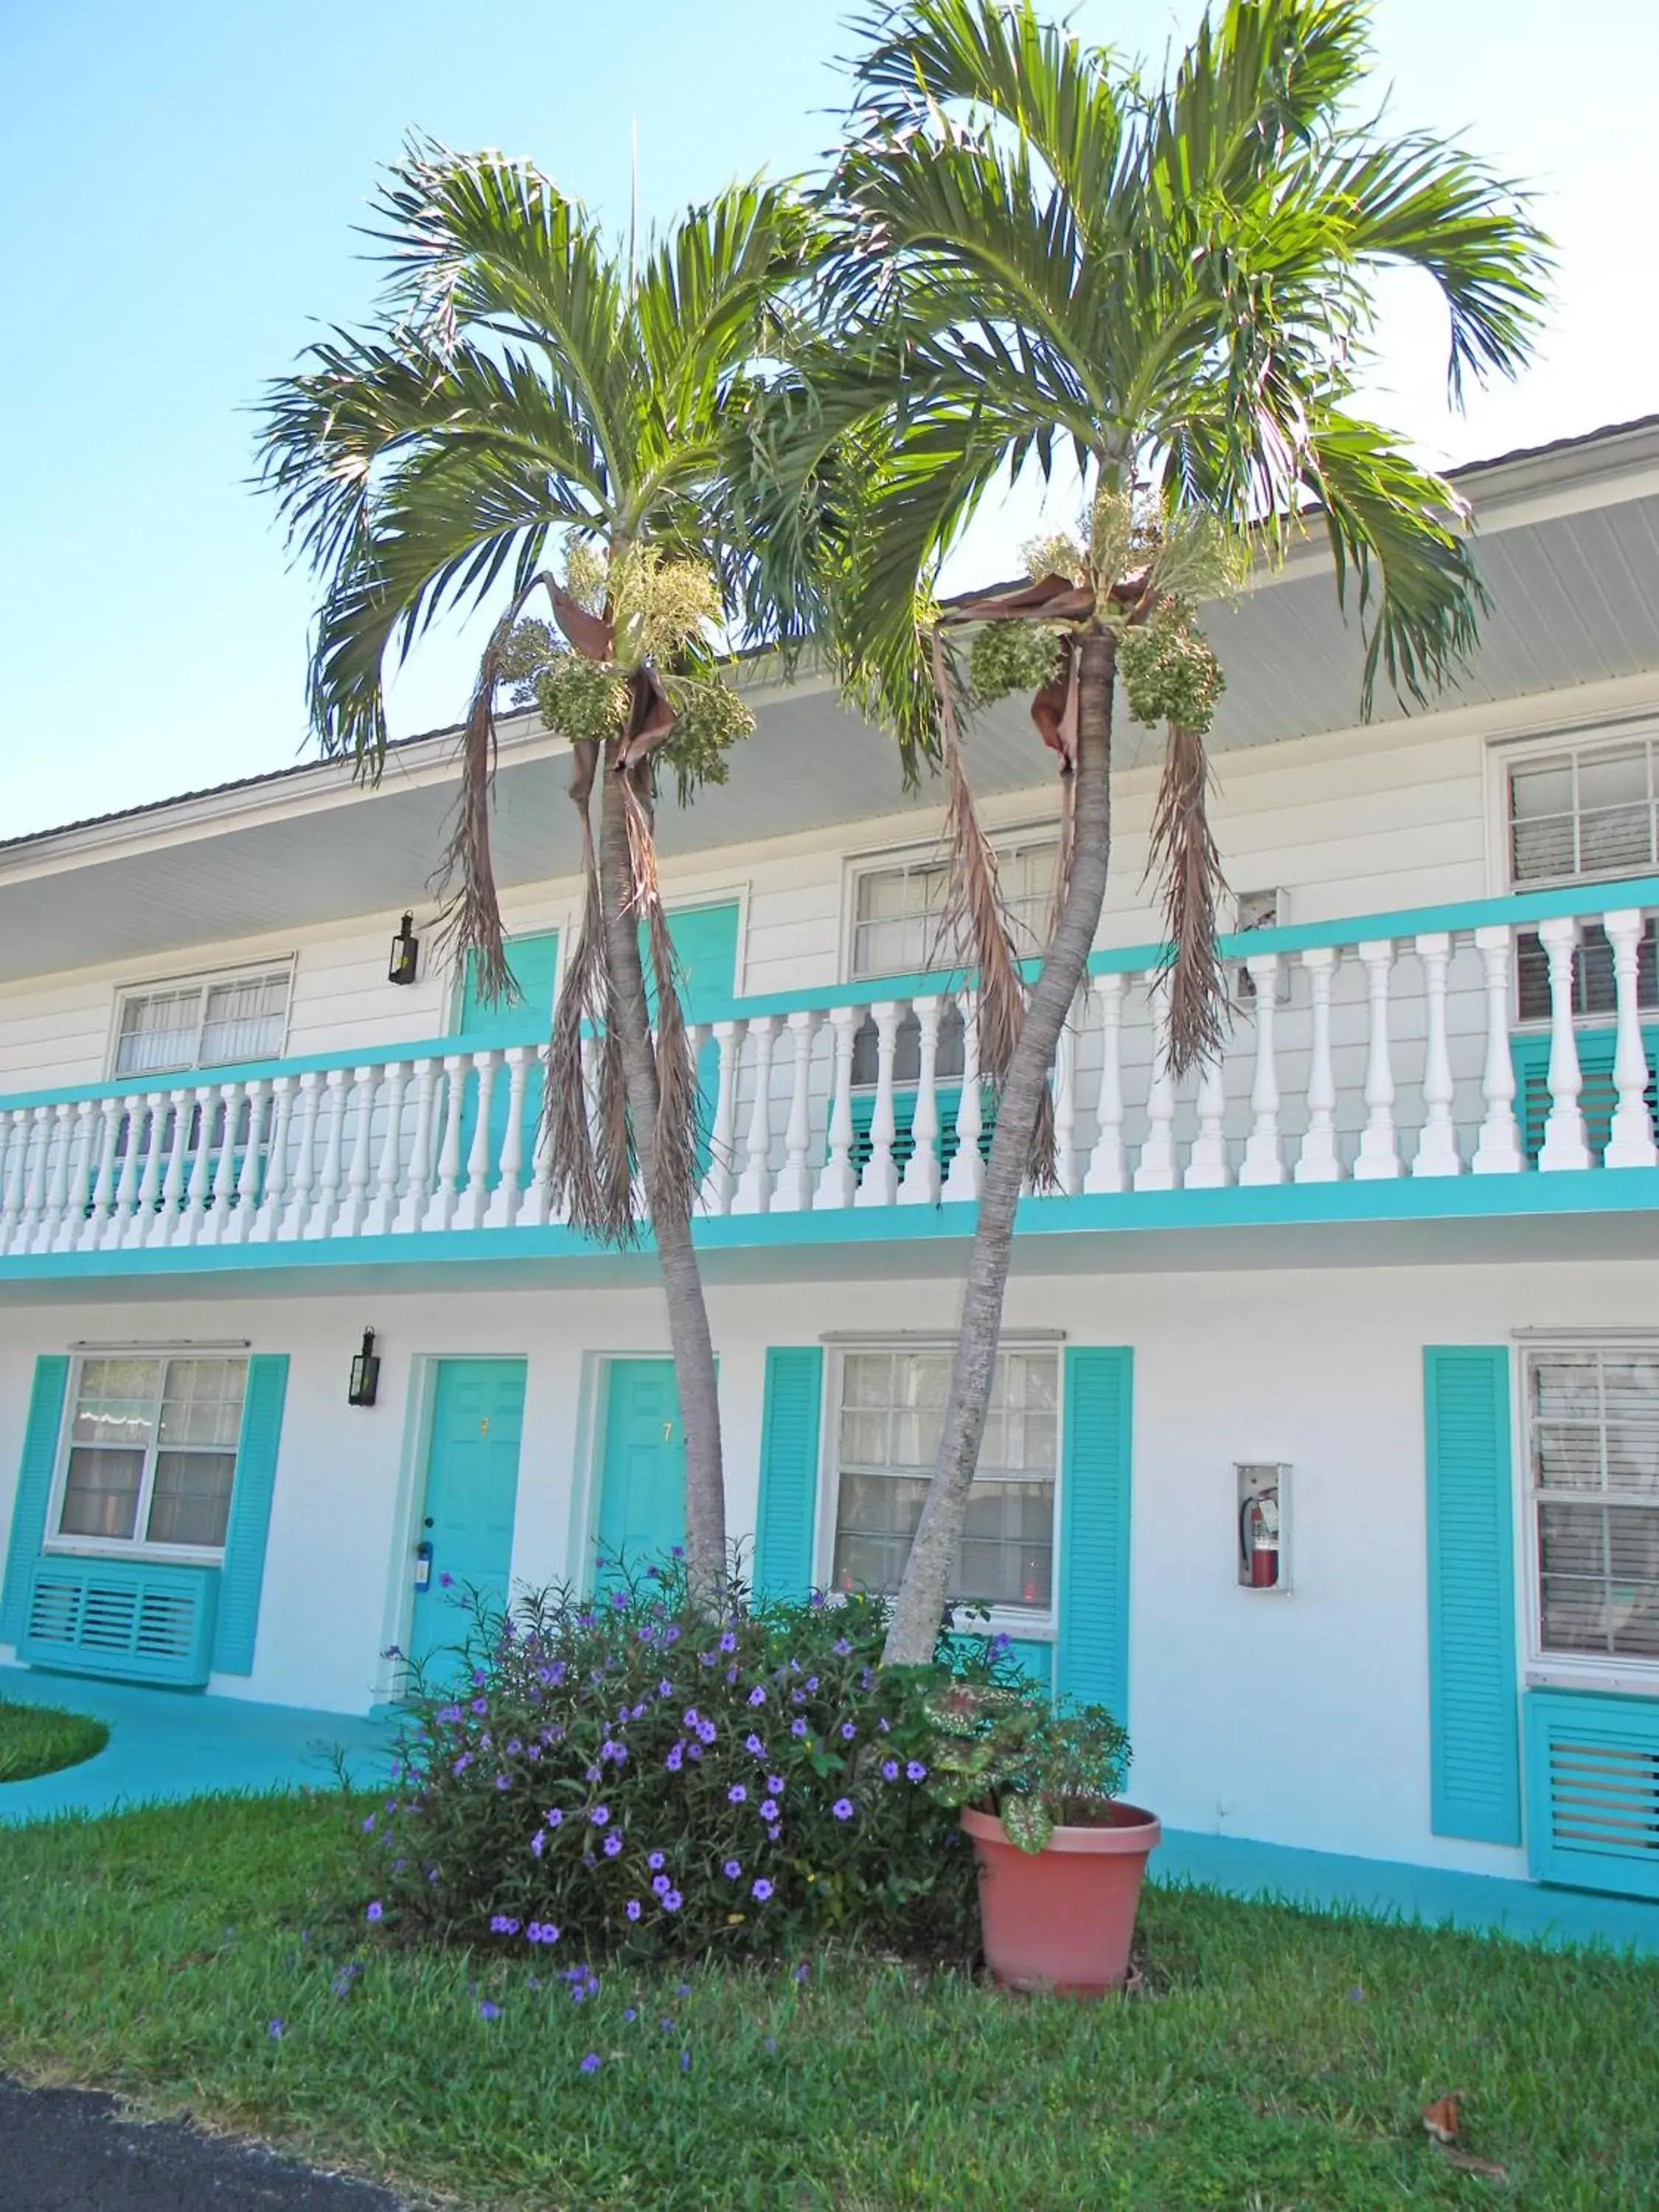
x,y
39,1740
621,1776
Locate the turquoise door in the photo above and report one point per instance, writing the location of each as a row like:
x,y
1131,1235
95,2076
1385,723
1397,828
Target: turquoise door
x,y
642,1483
471,1489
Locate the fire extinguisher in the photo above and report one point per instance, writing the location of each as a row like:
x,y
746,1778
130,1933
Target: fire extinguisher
x,y
1258,1539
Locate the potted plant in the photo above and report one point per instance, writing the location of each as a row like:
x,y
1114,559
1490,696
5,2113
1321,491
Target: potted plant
x,y
1061,1857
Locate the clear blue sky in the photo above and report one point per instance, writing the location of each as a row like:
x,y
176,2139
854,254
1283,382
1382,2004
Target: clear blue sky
x,y
181,183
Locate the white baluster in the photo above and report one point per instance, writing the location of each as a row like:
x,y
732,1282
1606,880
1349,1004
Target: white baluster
x,y
71,1214
754,1189
1630,1140
326,1206
273,1202
1437,1151
1208,1167
878,1185
1155,1168
165,1220
539,1211
1378,1157
474,1198
838,1184
14,1147
966,1176
301,1191
102,1203
1105,1171
1264,1159
1498,1152
149,1183
379,1214
353,1206
1067,1178
214,1228
412,1213
187,1228
1317,1159
126,1195
55,1198
237,1223
441,1207
793,1194
922,1182
1565,1145
718,1182
503,1208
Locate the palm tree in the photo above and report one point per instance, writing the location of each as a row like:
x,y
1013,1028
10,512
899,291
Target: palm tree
x,y
523,383
1033,250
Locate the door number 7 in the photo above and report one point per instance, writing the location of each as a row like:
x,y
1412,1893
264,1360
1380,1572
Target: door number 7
x,y
667,1431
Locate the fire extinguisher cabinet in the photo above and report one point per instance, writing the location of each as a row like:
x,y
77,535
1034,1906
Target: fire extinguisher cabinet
x,y
1262,1525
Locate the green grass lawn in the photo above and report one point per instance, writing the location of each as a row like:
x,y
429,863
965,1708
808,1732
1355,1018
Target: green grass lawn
x,y
36,1739
1274,2058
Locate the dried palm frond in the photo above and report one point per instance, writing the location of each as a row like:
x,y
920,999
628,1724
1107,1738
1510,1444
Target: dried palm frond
x,y
472,916
674,1146
572,1169
1183,854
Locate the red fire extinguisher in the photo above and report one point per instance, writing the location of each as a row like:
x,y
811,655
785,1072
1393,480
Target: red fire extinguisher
x,y
1258,1539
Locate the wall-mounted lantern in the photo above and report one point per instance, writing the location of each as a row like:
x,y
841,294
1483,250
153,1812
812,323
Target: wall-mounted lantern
x,y
1264,1524
364,1373
405,953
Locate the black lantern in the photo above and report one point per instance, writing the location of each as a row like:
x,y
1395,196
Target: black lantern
x,y
364,1373
405,953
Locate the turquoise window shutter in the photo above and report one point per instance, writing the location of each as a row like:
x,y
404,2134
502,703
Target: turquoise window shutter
x,y
1091,1652
29,1512
244,1571
787,1512
1473,1724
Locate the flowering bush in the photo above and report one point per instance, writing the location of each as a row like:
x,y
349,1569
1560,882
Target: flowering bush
x,y
623,1775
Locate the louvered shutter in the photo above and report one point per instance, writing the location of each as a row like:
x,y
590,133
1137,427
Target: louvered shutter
x,y
1091,1655
788,1512
29,1512
244,1571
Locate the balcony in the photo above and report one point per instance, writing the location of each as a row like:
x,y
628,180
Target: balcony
x,y
1492,1061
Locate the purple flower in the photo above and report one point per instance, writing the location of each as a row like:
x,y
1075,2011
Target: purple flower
x,y
656,1861
848,1731
758,1696
629,2012
633,1908
802,1972
613,1844
368,1824
689,1718
762,1889
503,1782
489,2011
665,1689
707,1731
552,1816
676,1758
797,1728
775,1829
685,2061
541,1931
591,2063
842,1647
768,1808
276,2031
600,1815
375,1911
728,1642
514,1749
775,1784
812,1681
884,1724
733,1870
462,1764
752,1742
500,1925
672,1900
842,1809
446,1580
915,1771
736,1795
538,1842
481,1704
694,1751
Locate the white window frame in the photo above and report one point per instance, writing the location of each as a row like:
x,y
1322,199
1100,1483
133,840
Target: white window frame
x,y
1503,754
202,981
1541,1667
889,860
135,1547
1028,1624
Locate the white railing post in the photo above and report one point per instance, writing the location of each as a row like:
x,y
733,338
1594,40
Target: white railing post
x,y
163,1223
966,1176
793,1194
1067,1180
14,1151
238,1228
1565,1145
1155,1168
1437,1151
325,1208
56,1198
354,1208
72,1215
273,1197
838,1184
1208,1167
1264,1158
1317,1159
503,1208
441,1207
474,1198
102,1202
754,1190
1630,1140
878,1184
187,1228
411,1214
719,1178
922,1182
298,1211
215,1229
1498,1152
149,1183
1378,1157
1105,1170
126,1196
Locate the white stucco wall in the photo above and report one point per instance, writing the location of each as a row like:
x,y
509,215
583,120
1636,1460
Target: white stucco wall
x,y
1299,1719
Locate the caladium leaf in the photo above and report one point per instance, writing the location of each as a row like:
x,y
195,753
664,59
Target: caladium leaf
x,y
1027,1822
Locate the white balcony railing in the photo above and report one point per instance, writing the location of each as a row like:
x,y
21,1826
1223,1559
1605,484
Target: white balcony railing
x,y
1389,1047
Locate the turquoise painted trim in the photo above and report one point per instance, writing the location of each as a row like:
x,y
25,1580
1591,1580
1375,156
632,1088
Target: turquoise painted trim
x,y
34,1493
140,1621
786,1520
1459,1198
1593,1765
1473,1747
244,1571
1092,1642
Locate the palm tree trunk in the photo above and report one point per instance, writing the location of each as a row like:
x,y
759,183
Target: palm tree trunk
x,y
919,1605
689,1337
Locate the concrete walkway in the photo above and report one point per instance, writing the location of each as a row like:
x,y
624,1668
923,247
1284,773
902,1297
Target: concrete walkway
x,y
176,1743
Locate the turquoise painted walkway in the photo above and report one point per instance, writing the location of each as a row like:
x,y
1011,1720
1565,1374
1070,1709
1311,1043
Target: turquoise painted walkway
x,y
172,1743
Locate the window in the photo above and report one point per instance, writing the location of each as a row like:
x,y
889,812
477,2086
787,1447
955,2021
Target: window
x,y
892,1406
899,913
211,1023
1582,813
151,1453
1593,1453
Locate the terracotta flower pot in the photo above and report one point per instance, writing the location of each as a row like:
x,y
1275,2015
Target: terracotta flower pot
x,y
1062,1917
